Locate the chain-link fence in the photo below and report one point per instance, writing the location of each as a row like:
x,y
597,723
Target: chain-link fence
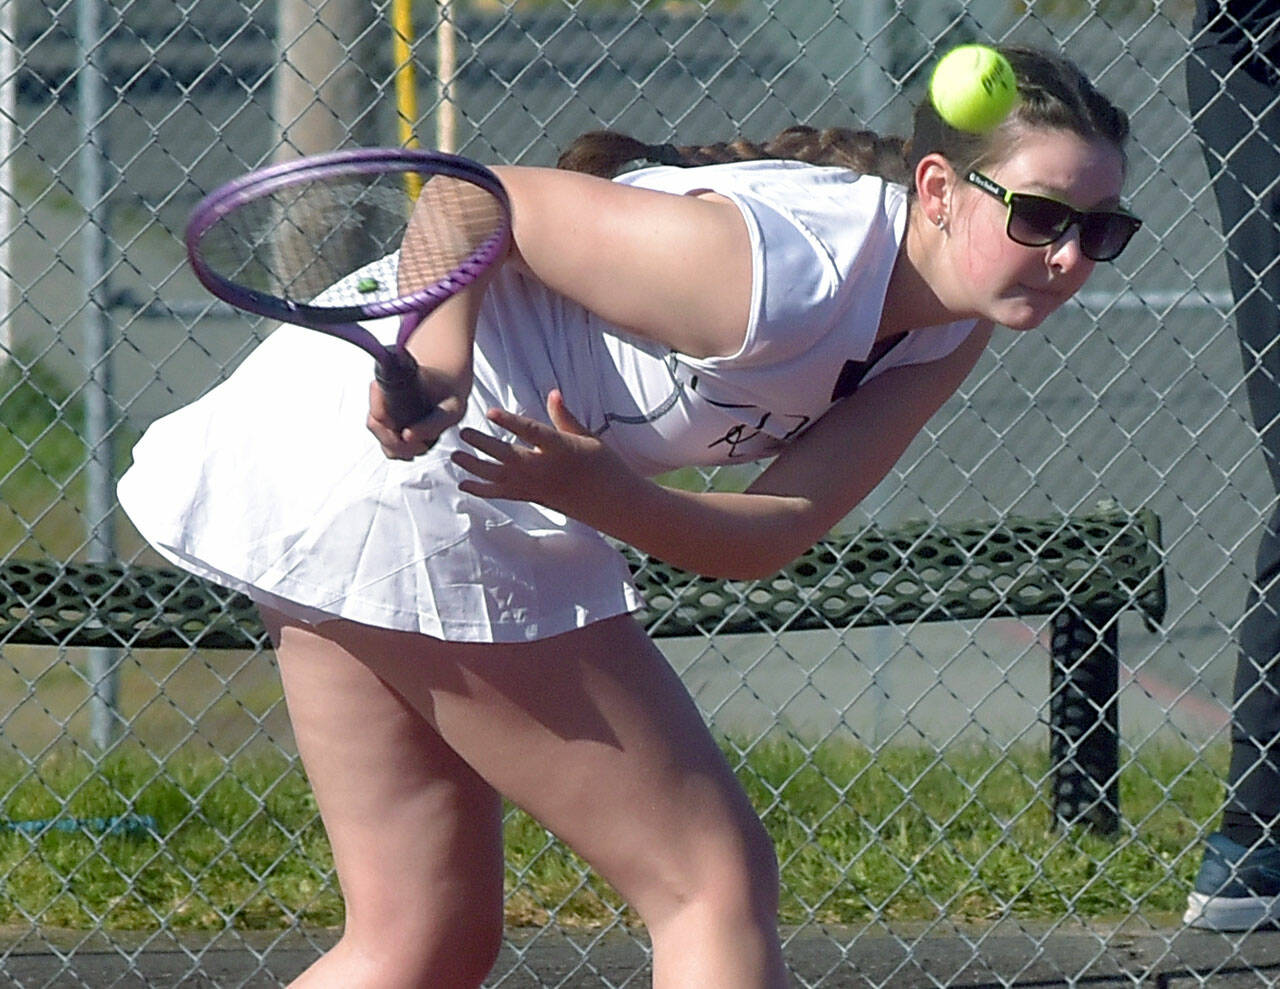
x,y
151,798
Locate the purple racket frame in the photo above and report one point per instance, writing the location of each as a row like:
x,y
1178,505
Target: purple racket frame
x,y
396,371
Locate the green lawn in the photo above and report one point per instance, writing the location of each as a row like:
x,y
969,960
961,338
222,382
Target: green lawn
x,y
41,465
906,835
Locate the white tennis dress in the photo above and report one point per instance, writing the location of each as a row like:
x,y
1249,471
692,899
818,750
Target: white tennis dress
x,y
271,484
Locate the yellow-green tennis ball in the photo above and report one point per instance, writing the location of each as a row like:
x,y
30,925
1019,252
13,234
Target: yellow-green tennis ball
x,y
973,88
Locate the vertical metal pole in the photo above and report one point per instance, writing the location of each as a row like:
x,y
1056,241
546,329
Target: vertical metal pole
x,y
100,473
322,100
8,126
446,70
322,93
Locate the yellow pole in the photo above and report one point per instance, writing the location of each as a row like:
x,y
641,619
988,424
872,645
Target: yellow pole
x,y
405,78
406,84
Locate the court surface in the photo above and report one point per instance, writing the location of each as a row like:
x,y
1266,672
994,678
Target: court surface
x,y
1009,954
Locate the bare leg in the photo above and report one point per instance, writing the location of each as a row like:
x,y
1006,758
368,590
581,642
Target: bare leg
x,y
594,735
416,835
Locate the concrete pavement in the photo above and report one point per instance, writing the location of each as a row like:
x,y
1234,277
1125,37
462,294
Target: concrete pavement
x,y
1008,954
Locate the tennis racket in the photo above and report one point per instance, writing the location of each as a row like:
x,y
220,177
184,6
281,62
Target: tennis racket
x,y
314,242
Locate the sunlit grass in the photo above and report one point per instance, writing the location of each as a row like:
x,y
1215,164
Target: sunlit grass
x,y
42,457
904,835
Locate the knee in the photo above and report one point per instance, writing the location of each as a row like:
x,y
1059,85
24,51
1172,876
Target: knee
x,y
732,873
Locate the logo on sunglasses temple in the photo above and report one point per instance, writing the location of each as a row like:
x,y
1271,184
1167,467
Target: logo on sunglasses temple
x,y
989,186
1038,221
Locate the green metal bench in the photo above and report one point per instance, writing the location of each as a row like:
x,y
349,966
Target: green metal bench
x,y
1081,571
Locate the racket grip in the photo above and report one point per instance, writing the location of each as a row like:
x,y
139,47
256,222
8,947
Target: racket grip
x,y
397,376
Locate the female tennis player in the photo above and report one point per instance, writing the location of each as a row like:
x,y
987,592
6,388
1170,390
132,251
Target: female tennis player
x,y
451,625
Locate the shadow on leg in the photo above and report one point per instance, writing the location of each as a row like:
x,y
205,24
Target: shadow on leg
x,y
416,834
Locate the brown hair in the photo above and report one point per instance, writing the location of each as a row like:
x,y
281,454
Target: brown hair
x,y
1053,94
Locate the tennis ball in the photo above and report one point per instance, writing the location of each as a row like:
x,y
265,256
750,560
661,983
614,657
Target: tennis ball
x,y
973,88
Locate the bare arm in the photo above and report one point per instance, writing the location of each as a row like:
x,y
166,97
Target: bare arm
x,y
814,483
674,269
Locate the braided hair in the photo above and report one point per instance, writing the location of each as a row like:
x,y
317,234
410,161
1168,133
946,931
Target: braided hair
x,y
606,153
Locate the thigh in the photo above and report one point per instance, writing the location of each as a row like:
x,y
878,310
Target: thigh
x,y
415,832
593,734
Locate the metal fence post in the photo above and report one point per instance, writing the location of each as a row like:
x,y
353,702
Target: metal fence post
x,y
93,191
1084,708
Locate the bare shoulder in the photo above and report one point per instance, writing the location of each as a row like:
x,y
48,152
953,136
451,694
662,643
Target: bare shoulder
x,y
676,269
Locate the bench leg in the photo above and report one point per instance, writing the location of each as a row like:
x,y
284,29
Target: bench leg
x,y
1084,730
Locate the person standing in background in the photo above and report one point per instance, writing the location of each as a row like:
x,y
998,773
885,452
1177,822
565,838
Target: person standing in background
x,y
1233,86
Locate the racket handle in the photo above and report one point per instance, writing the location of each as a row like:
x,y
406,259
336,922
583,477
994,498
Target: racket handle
x,y
397,376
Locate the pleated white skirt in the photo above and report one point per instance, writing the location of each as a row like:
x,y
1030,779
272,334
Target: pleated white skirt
x,y
272,485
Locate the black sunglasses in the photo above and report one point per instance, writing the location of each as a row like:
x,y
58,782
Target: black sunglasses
x,y
1037,221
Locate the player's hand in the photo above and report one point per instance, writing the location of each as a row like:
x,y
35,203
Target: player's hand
x,y
561,465
447,406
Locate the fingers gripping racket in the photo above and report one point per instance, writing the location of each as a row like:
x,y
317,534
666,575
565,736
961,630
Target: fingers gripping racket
x,y
313,242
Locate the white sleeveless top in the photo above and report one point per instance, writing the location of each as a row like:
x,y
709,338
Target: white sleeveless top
x,y
271,484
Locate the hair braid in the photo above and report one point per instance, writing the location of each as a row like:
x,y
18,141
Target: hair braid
x,y
606,153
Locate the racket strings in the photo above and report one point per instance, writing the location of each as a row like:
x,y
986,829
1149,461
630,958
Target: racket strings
x,y
315,242
323,232
453,222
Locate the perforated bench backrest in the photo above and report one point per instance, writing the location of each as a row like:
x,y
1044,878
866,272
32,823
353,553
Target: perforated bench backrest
x,y
1099,564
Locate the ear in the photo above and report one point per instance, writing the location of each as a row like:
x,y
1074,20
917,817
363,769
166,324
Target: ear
x,y
935,185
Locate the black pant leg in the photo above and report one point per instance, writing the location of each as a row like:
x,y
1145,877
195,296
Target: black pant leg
x,y
1238,123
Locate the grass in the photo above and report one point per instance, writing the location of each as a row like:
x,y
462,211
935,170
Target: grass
x,y
906,835
41,460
